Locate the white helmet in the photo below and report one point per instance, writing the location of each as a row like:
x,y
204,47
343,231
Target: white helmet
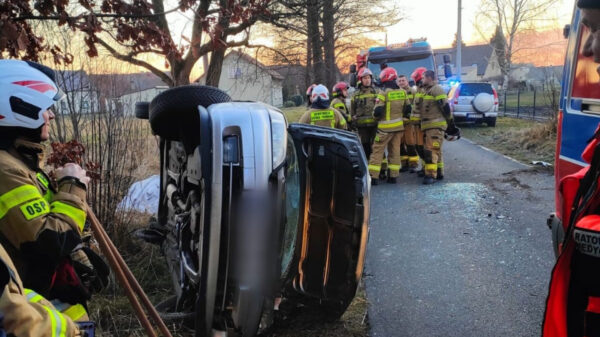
x,y
27,89
319,92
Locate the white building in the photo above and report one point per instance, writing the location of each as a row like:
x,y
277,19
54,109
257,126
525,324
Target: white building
x,y
128,101
246,79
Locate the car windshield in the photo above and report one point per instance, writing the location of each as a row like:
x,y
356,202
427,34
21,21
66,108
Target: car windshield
x,y
472,89
404,66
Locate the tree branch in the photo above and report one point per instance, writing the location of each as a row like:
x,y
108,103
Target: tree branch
x,y
130,59
98,15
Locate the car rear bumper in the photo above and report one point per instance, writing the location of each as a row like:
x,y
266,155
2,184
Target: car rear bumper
x,y
472,115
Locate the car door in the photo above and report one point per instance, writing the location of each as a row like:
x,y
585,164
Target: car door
x,y
333,217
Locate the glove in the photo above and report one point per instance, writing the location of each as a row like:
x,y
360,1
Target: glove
x,y
74,171
407,111
452,133
378,112
67,286
91,269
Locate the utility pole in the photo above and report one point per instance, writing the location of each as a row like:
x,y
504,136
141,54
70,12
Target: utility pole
x,y
459,43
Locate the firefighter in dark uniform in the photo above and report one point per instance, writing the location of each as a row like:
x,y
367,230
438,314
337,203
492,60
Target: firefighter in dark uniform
x,y
363,104
339,94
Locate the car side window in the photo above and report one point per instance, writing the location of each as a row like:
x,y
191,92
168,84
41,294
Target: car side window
x,y
586,78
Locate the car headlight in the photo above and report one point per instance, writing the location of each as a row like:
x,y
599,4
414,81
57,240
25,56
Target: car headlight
x,y
278,137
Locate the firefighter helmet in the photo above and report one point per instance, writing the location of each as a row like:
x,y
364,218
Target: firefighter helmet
x,y
417,75
388,74
27,89
310,89
364,72
339,87
319,92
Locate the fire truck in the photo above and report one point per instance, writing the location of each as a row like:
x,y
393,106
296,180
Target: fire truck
x,y
578,118
404,57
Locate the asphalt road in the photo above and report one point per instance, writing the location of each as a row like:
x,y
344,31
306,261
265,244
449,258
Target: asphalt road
x,y
469,256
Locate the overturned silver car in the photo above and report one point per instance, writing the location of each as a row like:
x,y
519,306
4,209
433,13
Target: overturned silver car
x,y
253,208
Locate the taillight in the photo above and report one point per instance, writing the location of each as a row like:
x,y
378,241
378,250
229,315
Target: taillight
x,y
495,96
456,94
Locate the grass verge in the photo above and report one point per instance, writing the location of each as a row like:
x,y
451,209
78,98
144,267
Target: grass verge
x,y
523,140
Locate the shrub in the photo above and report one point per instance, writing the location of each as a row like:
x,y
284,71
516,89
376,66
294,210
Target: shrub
x,y
297,99
288,104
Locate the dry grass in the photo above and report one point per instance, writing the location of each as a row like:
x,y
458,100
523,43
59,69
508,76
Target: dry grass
x,y
524,140
294,114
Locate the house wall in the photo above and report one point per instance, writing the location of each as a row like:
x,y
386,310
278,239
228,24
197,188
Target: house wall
x,y
127,102
244,81
80,102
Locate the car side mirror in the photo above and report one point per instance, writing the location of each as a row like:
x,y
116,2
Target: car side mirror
x,y
142,110
566,31
353,80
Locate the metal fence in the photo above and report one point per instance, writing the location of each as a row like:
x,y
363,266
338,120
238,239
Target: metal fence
x,y
529,104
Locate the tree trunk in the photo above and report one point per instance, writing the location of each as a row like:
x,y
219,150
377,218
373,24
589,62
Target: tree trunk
x,y
314,34
329,43
308,78
213,74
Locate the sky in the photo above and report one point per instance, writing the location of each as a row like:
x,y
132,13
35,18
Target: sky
x,y
444,15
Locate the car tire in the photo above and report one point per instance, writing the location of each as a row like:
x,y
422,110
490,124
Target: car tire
x,y
491,122
174,110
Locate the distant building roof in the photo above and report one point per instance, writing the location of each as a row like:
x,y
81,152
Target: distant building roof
x,y
122,84
73,80
251,60
470,55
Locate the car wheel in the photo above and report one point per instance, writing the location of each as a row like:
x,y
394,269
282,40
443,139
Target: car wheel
x,y
483,102
491,122
175,110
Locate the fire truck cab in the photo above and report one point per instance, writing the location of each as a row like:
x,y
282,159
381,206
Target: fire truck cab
x,y
578,118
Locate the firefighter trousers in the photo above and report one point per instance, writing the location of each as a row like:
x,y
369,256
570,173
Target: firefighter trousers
x,y
367,136
414,144
432,152
392,141
404,151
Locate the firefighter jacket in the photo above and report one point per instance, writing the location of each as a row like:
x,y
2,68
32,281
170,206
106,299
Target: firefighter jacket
x,y
24,312
363,104
415,115
40,224
395,103
339,104
430,110
324,117
410,97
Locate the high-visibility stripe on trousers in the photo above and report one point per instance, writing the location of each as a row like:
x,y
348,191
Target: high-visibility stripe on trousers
x,y
434,139
392,141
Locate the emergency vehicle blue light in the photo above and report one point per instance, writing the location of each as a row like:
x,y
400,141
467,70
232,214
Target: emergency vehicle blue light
x,y
453,83
421,44
375,49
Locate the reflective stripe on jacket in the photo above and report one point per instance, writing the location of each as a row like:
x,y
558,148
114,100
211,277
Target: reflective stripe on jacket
x,y
430,110
395,102
24,312
39,225
324,117
363,104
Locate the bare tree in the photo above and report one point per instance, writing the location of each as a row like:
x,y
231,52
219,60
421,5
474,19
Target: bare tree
x,y
510,18
341,27
131,31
